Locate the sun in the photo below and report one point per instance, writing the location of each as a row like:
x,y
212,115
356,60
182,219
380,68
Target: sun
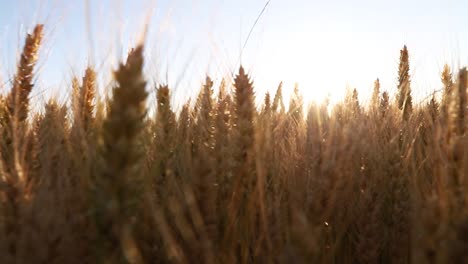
x,y
323,70
316,84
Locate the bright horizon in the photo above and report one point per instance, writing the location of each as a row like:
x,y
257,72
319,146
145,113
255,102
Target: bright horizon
x,y
323,46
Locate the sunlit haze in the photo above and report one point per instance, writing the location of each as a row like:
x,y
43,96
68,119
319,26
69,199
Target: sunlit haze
x,y
324,46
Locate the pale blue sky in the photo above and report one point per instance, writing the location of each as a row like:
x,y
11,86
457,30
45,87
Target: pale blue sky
x,y
325,46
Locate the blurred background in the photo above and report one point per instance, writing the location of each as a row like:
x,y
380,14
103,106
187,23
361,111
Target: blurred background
x,y
324,46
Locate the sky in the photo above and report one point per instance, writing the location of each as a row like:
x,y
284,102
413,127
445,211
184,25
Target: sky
x,y
324,46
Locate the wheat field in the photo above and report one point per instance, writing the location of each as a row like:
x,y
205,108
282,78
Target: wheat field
x,y
225,180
